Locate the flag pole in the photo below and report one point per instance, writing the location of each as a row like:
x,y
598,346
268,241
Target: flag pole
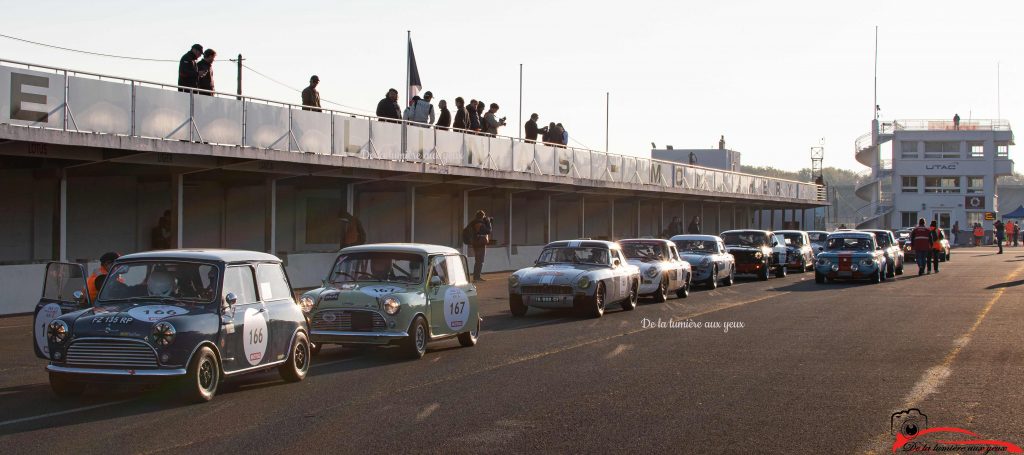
x,y
520,101
408,69
607,115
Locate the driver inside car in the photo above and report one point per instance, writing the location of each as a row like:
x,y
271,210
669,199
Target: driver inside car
x,y
380,268
160,284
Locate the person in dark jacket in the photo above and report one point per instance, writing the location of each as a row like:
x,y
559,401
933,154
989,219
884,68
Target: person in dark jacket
x,y
531,130
205,68
1000,232
445,119
474,116
311,97
694,227
481,108
674,228
388,108
482,226
188,72
548,133
461,121
921,239
933,256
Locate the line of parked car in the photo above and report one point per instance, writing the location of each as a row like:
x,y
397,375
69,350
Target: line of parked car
x,y
193,318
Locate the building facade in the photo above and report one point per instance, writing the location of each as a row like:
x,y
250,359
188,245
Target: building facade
x,y
724,159
939,171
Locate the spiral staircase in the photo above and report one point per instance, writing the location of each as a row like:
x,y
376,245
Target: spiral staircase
x,y
878,201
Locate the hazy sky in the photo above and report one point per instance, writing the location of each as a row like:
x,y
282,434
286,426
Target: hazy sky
x,y
773,77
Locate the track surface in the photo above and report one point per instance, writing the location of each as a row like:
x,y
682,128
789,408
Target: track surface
x,y
814,369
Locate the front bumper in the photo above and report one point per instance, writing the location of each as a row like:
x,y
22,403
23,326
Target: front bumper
x,y
111,373
553,302
649,286
755,267
860,274
701,273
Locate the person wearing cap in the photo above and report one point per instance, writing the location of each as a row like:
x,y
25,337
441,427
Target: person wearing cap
x,y
91,283
422,110
311,97
205,68
188,72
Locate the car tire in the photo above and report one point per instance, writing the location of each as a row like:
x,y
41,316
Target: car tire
x,y
200,383
64,387
684,291
731,278
763,274
899,270
295,368
414,346
515,305
314,349
469,339
781,271
661,295
877,277
713,279
819,278
630,303
598,303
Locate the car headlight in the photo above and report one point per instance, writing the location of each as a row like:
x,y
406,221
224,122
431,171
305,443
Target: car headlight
x,y
651,272
57,331
758,255
306,303
583,282
835,267
392,305
163,333
854,267
867,262
513,280
705,262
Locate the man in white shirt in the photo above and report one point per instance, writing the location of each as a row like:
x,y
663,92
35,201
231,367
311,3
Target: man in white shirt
x,y
423,111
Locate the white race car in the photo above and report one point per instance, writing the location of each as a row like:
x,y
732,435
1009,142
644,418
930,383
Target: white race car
x,y
662,270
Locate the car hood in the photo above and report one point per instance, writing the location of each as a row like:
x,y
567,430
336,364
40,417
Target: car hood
x,y
844,253
554,274
645,264
133,320
361,295
694,258
748,249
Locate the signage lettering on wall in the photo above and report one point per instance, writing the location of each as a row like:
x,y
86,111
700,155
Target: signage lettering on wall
x,y
19,96
941,167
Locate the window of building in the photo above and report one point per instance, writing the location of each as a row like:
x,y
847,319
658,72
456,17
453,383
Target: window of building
x,y
909,184
975,218
975,185
942,150
1003,151
908,219
977,149
908,150
942,184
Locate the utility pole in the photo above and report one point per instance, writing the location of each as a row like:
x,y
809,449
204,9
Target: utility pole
x,y
520,101
239,60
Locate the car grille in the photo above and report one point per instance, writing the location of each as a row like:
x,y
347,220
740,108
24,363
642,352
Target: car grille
x,y
111,354
745,256
349,321
548,289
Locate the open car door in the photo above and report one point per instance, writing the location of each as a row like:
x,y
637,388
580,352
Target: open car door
x,y
59,288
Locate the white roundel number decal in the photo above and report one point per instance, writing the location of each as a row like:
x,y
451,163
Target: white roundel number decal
x,y
48,313
255,336
456,308
153,313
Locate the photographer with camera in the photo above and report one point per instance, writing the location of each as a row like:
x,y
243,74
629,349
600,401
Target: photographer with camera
x,y
491,122
477,234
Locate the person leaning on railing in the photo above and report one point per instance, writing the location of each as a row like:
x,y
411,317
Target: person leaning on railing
x,y
445,119
387,108
205,68
474,116
461,121
310,96
188,72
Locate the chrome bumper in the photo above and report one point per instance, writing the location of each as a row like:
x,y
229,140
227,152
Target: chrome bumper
x,y
334,336
116,372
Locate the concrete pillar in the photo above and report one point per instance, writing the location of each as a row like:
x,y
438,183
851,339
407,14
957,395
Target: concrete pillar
x,y
771,226
61,249
177,209
583,216
637,231
611,222
270,221
547,230
412,212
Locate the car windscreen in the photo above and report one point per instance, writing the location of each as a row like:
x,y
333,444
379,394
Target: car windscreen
x,y
646,251
793,239
696,246
185,281
579,255
849,243
817,236
387,266
745,239
883,239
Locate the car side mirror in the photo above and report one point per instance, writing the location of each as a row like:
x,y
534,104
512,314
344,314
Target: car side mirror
x,y
323,283
616,263
231,298
79,297
435,280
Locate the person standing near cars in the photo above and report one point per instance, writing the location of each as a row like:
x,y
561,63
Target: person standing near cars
x,y
937,250
352,232
921,239
481,229
674,228
1000,233
979,232
956,232
95,281
694,227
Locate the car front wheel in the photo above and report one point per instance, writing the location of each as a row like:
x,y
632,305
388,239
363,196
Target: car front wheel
x,y
684,291
297,365
414,346
515,305
630,303
597,304
661,294
731,278
713,279
200,384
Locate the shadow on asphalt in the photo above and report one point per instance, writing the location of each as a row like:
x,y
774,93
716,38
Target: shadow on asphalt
x,y
1008,284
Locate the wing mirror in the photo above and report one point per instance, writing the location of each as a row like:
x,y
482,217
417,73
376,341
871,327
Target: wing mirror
x,y
79,297
616,263
435,280
231,298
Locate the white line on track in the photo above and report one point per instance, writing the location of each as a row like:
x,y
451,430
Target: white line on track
x,y
67,411
15,326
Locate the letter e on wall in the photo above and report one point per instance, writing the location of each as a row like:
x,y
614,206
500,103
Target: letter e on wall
x,y
19,96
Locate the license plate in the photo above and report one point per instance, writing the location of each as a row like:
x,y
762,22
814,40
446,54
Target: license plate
x,y
847,274
547,299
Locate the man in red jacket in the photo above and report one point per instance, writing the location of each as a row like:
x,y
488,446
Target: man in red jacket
x,y
922,239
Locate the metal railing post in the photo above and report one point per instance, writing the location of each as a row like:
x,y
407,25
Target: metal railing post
x,y
132,128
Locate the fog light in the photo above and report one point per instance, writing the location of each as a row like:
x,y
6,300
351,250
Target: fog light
x,y
57,355
835,267
164,358
391,324
854,267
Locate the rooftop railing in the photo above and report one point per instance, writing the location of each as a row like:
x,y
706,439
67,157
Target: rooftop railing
x,y
69,100
949,125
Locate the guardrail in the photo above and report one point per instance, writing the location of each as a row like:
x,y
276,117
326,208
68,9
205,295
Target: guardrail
x,y
70,100
949,125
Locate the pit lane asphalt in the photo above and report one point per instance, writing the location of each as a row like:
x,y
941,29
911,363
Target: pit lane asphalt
x,y
815,368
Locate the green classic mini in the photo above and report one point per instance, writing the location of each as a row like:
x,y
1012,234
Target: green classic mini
x,y
394,294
